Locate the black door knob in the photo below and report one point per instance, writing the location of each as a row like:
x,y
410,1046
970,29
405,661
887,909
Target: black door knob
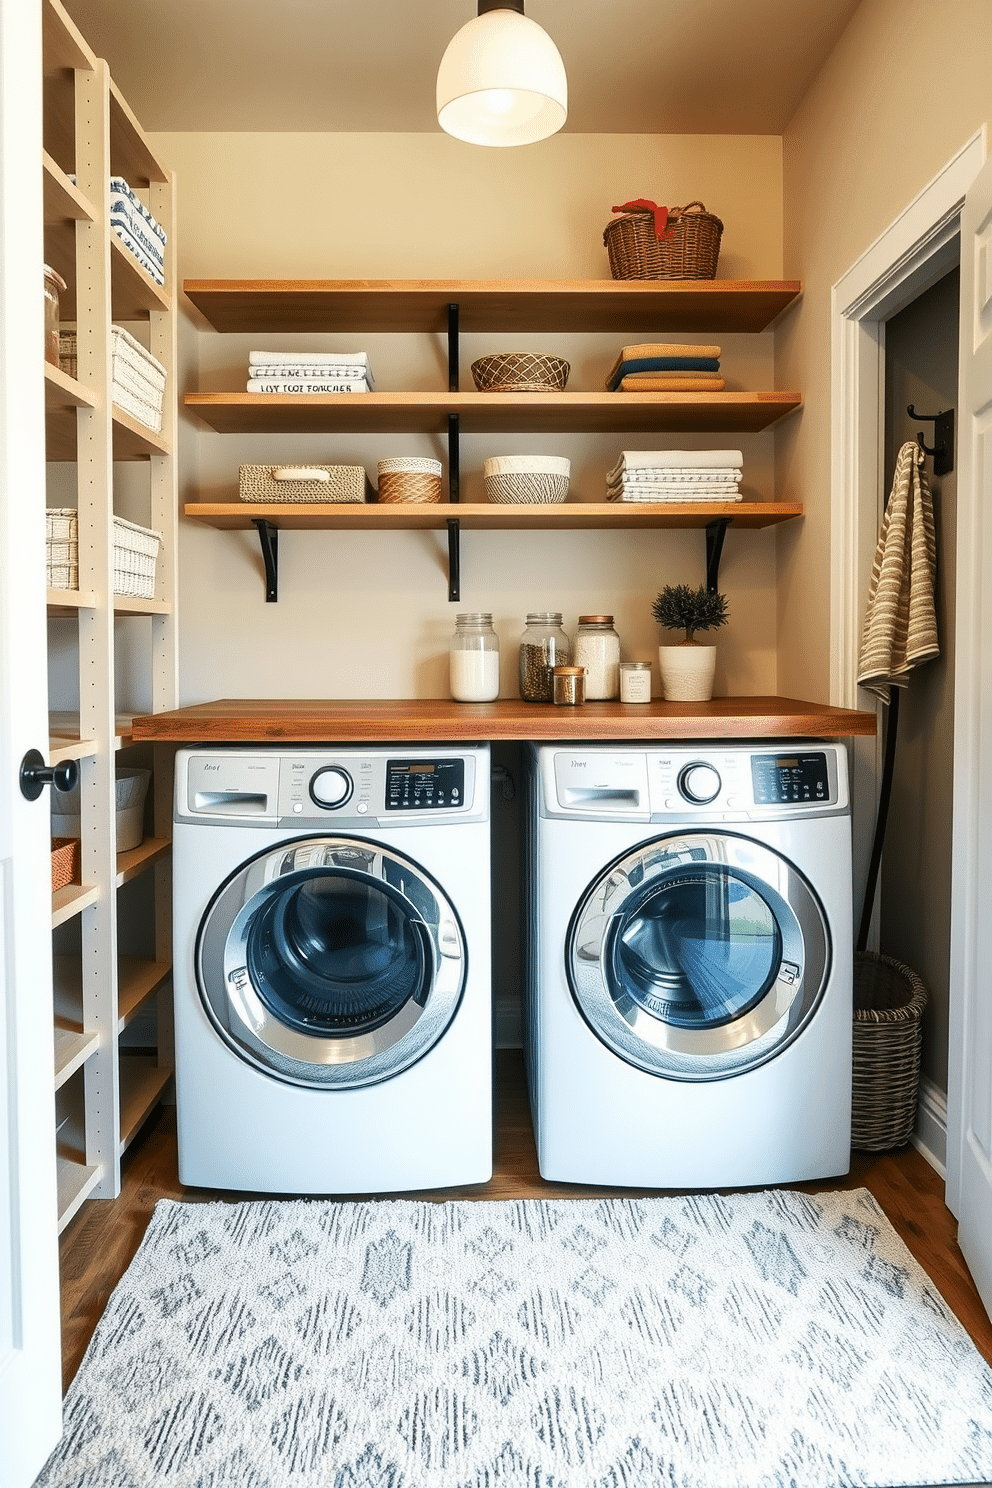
x,y
35,775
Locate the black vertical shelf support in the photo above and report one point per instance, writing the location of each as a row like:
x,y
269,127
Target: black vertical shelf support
x,y
454,469
716,531
268,536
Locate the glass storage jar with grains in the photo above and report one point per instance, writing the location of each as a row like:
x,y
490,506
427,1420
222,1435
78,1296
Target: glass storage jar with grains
x,y
543,646
473,659
597,648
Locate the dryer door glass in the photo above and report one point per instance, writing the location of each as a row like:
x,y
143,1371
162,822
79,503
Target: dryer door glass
x,y
698,955
330,961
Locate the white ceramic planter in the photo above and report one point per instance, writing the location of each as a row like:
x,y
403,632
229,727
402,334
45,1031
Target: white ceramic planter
x,y
687,672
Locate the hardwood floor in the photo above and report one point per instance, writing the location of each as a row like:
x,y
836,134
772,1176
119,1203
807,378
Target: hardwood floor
x,y
98,1245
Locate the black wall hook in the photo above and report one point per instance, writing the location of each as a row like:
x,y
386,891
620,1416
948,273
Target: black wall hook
x,y
943,438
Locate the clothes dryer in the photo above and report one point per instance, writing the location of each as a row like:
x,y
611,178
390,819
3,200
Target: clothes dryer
x,y
332,957
689,963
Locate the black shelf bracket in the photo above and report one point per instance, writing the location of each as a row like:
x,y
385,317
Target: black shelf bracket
x,y
452,348
454,526
943,438
268,536
716,531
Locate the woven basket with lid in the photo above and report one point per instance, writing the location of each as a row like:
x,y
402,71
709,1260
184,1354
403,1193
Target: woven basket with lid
x,y
686,247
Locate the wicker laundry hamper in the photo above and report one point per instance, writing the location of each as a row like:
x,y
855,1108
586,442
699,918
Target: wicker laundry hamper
x,y
651,242
889,1002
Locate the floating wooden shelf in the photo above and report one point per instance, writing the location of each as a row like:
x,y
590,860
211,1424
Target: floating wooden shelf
x,y
489,516
491,413
372,305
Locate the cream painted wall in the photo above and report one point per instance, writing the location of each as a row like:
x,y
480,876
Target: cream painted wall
x,y
906,86
364,617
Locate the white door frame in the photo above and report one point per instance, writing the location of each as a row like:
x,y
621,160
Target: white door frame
x,y
916,250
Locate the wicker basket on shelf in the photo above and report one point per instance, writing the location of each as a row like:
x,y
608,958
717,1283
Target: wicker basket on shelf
x,y
889,1002
520,372
65,862
409,478
687,246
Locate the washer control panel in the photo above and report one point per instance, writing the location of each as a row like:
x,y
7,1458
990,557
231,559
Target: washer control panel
x,y
315,787
799,775
425,785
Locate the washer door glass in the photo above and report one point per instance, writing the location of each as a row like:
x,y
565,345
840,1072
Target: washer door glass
x,y
330,961
698,956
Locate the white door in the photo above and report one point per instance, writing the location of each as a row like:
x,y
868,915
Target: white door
x,y
969,1097
30,1345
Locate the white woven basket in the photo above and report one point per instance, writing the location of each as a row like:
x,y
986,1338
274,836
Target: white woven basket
x,y
527,479
304,483
135,557
62,548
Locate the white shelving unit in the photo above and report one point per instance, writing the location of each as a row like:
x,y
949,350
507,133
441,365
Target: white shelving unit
x,y
103,1089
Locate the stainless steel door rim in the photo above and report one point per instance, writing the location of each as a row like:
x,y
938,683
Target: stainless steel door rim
x,y
283,918
707,993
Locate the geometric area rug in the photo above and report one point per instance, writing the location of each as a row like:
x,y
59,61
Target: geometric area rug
x,y
754,1340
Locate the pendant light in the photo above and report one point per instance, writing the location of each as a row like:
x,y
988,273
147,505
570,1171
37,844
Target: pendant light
x,y
501,80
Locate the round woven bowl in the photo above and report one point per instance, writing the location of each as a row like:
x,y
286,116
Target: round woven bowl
x,y
534,489
520,372
409,485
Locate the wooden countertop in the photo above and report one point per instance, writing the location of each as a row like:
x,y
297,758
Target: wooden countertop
x,y
378,720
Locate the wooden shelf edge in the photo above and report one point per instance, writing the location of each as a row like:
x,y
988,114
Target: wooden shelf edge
x,y
372,720
265,305
71,901
142,1085
128,139
137,859
72,1049
138,979
75,1182
489,516
134,440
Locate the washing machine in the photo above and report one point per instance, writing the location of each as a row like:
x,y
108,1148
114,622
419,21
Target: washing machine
x,y
332,968
689,963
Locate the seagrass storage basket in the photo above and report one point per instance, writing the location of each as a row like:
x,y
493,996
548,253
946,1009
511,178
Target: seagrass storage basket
x,y
529,479
688,248
135,557
304,483
889,1002
520,372
65,862
409,478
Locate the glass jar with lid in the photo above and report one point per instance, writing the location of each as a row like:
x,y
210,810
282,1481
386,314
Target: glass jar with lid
x,y
543,646
597,648
473,659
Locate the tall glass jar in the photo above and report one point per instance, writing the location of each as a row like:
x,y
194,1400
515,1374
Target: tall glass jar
x,y
597,648
543,646
473,659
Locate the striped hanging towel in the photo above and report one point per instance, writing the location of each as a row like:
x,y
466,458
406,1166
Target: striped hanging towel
x,y
900,629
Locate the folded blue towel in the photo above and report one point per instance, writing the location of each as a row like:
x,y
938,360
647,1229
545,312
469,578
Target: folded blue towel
x,y
662,364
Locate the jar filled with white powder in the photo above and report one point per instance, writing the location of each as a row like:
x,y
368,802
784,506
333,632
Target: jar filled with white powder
x,y
597,648
473,659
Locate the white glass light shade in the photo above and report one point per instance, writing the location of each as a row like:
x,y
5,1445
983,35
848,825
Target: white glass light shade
x,y
501,82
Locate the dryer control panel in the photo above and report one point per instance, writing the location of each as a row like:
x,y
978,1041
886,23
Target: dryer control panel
x,y
685,781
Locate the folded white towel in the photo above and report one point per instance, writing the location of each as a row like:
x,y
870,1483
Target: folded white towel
x,y
674,500
682,459
714,491
328,384
310,358
684,477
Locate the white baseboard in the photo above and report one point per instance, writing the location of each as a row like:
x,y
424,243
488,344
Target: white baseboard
x,y
930,1135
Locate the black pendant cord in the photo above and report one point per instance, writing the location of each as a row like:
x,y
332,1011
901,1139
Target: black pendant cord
x,y
884,792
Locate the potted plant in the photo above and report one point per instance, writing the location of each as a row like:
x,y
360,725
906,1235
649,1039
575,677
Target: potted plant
x,y
687,667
